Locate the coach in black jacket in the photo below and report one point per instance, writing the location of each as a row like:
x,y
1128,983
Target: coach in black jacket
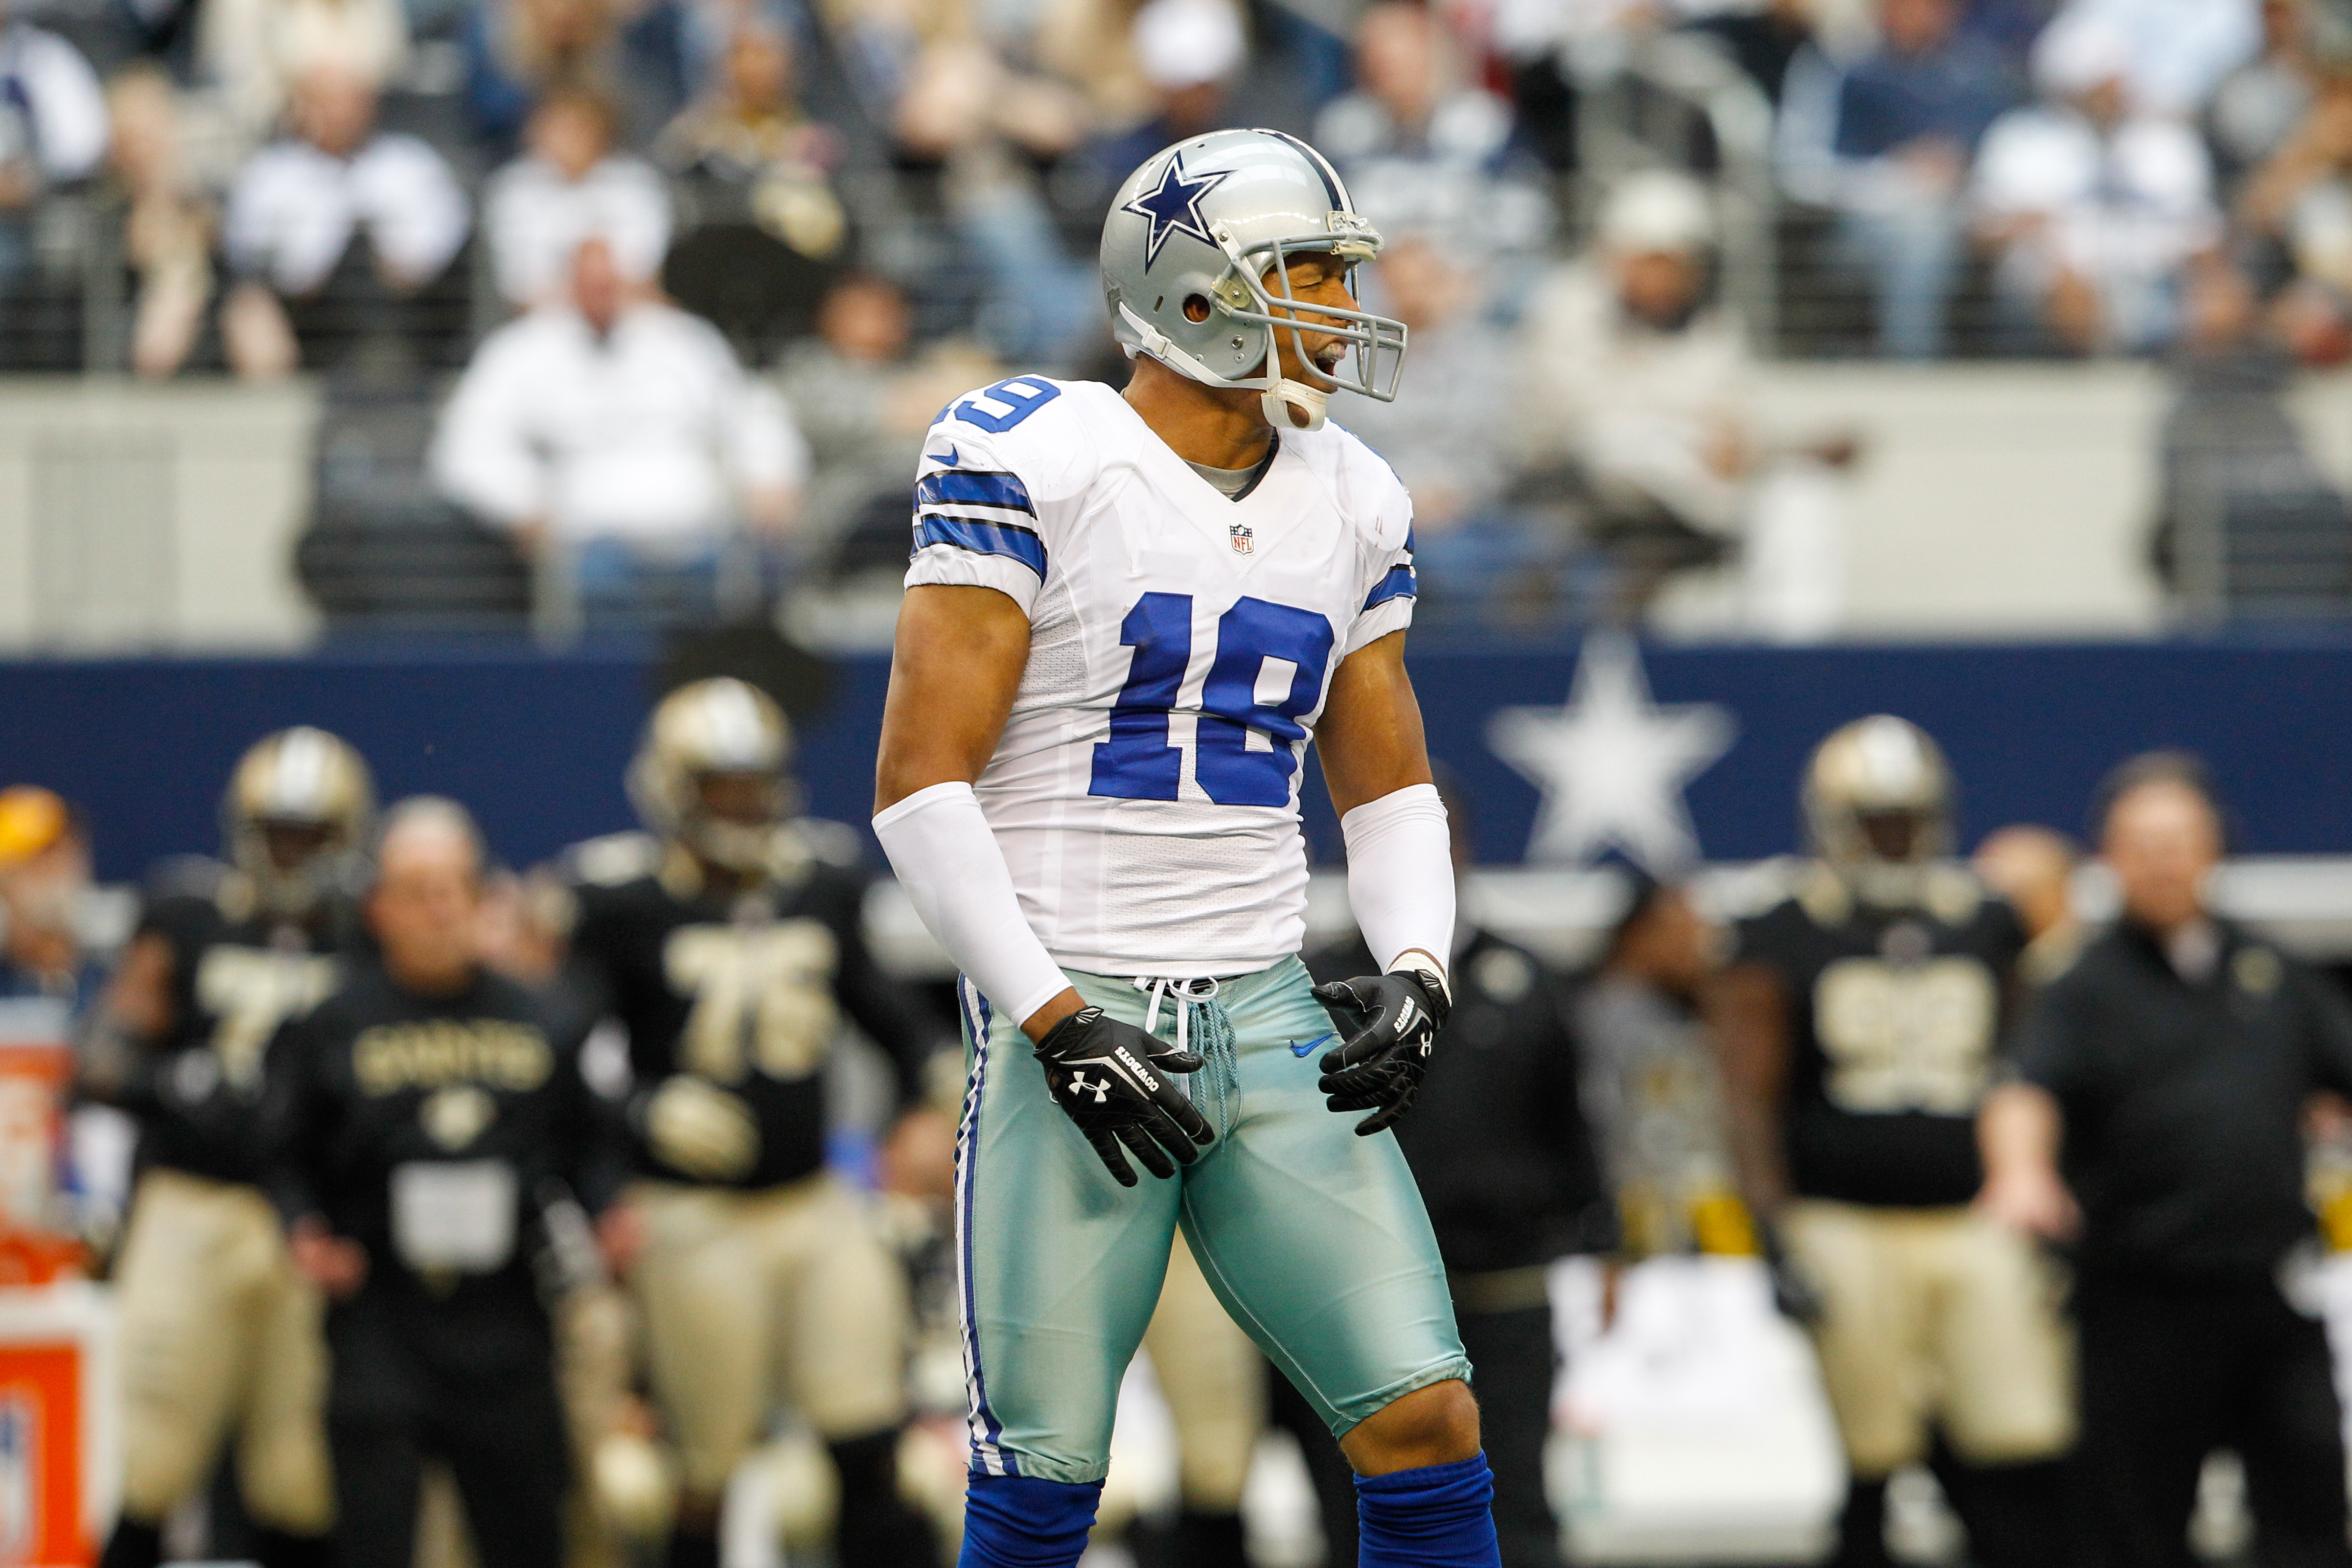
x,y
1499,1142
435,1152
2158,1126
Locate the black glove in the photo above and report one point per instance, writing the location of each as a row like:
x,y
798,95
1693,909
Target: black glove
x,y
1111,1079
1387,1024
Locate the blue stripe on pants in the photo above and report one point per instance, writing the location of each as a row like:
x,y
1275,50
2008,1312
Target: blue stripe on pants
x,y
988,1457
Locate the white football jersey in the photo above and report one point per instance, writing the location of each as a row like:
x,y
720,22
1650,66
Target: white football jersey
x,y
1145,791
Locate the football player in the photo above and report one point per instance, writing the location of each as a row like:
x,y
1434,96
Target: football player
x,y
220,1335
727,942
1859,1022
1127,615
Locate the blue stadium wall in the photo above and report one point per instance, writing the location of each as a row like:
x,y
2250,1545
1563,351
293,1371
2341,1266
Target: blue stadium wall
x,y
536,743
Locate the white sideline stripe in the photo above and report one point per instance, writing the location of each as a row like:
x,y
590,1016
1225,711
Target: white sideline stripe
x,y
2301,902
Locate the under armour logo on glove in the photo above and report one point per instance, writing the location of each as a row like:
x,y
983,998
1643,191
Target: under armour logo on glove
x,y
1388,1026
1111,1079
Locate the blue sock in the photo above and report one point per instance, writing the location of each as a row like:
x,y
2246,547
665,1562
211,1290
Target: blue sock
x,y
1440,1516
1011,1521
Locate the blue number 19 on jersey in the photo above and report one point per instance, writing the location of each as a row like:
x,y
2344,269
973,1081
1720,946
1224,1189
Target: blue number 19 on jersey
x,y
1138,764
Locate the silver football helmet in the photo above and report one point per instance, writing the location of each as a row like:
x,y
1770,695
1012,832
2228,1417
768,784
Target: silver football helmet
x,y
1195,258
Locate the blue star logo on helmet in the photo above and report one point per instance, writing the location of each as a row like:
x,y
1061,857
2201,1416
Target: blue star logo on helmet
x,y
1174,206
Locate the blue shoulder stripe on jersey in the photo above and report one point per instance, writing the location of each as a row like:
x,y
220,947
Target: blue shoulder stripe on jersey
x,y
1397,585
983,536
974,487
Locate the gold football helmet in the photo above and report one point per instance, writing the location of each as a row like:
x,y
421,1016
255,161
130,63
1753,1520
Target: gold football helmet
x,y
297,817
1878,805
709,773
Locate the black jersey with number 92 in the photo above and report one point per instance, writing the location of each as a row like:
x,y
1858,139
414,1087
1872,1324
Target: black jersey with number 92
x,y
1895,1022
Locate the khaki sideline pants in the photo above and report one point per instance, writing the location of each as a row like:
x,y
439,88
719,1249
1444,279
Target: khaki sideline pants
x,y
220,1337
1935,1317
749,1297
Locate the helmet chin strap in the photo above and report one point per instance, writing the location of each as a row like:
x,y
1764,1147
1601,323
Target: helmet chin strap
x,y
1289,405
1295,406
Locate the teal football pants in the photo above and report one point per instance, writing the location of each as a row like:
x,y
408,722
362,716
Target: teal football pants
x,y
1315,1239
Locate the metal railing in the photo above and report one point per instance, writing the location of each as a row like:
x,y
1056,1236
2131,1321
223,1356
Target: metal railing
x,y
376,547
1645,107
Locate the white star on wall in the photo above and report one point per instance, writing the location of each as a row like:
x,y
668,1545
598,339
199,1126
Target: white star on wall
x,y
1612,764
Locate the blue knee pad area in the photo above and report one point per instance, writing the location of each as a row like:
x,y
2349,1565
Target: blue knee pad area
x,y
1440,1516
1011,1521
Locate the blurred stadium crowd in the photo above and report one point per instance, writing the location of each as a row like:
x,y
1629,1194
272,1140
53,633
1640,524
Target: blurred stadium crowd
x,y
702,269
721,1266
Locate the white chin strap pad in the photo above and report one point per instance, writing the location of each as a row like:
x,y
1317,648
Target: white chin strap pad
x,y
1295,406
1289,405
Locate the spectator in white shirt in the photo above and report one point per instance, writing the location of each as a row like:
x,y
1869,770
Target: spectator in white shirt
x,y
2096,206
1630,372
620,433
297,209
52,127
570,186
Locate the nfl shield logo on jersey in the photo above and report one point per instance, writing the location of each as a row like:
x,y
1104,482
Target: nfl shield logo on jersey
x,y
1244,540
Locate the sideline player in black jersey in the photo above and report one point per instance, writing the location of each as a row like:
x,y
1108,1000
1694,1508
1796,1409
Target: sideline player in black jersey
x,y
220,1335
434,1153
1859,1022
728,944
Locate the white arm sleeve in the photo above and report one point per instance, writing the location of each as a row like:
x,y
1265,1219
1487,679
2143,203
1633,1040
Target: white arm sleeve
x,y
947,859
1401,875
